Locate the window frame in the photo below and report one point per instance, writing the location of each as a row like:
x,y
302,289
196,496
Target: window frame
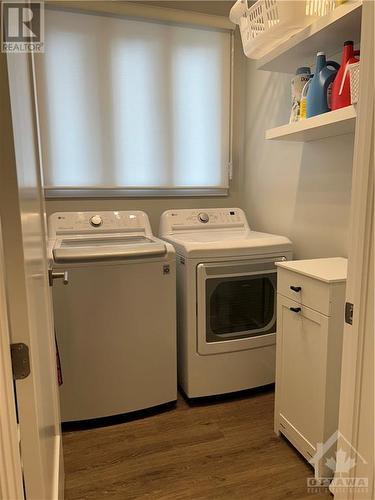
x,y
118,191
52,192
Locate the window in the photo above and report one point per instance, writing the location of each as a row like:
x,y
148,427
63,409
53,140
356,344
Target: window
x,y
133,106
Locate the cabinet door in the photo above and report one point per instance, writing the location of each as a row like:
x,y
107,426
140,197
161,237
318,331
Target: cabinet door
x,y
302,352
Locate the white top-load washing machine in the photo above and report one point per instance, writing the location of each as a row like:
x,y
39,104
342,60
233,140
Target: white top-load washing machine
x,y
226,299
115,321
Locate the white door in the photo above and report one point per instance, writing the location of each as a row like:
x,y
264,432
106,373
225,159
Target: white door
x,y
11,481
356,418
301,353
26,280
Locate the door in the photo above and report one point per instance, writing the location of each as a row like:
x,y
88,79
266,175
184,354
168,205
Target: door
x,y
236,305
11,486
28,294
301,358
356,416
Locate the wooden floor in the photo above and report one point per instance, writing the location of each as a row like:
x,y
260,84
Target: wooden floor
x,y
217,450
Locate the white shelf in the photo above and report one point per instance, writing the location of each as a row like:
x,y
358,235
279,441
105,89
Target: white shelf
x,y
327,34
338,122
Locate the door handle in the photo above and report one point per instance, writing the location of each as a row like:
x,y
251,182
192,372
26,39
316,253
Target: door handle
x,y
295,309
295,288
55,275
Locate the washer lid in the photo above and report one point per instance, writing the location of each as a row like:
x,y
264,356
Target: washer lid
x,y
108,247
232,243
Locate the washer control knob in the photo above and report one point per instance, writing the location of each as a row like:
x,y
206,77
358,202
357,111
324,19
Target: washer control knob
x,y
96,221
203,217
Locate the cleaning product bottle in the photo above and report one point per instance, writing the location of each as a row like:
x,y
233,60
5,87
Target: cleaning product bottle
x,y
318,95
302,113
341,86
298,82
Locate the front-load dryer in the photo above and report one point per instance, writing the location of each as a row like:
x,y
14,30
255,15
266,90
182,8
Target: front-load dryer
x,y
115,320
226,299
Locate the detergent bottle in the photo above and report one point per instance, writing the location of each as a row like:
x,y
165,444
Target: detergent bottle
x,y
341,86
302,114
318,95
298,82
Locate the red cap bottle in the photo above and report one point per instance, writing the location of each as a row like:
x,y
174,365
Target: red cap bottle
x,y
341,86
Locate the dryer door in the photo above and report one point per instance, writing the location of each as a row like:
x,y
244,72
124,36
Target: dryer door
x,y
236,305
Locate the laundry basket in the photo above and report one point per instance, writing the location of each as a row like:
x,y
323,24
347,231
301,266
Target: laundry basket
x,y
269,22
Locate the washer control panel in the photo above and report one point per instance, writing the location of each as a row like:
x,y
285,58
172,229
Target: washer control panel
x,y
91,222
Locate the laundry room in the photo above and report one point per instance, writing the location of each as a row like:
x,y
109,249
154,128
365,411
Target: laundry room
x,y
186,250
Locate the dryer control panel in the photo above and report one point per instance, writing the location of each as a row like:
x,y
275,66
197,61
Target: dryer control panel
x,y
205,218
98,222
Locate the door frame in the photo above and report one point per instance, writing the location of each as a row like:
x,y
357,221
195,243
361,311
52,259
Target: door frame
x,y
15,295
11,478
360,243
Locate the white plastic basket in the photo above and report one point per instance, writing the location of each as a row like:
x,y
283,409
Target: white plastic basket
x,y
354,81
267,23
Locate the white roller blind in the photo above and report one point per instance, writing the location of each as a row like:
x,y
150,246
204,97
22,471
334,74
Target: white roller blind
x,y
133,104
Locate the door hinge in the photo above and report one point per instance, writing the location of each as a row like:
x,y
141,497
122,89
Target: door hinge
x,y
349,309
19,354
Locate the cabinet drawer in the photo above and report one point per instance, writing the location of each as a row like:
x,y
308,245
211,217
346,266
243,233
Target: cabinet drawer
x,y
307,291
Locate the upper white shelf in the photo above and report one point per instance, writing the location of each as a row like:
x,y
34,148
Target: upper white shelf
x,y
327,34
338,122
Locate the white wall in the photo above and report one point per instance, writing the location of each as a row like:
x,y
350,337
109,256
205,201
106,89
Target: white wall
x,y
298,190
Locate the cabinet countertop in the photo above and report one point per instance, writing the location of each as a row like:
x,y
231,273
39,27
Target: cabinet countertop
x,y
329,270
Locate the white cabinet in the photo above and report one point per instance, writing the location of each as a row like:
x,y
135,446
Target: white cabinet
x,y
310,315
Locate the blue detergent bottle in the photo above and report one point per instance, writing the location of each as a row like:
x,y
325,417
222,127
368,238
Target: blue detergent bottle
x,y
318,95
